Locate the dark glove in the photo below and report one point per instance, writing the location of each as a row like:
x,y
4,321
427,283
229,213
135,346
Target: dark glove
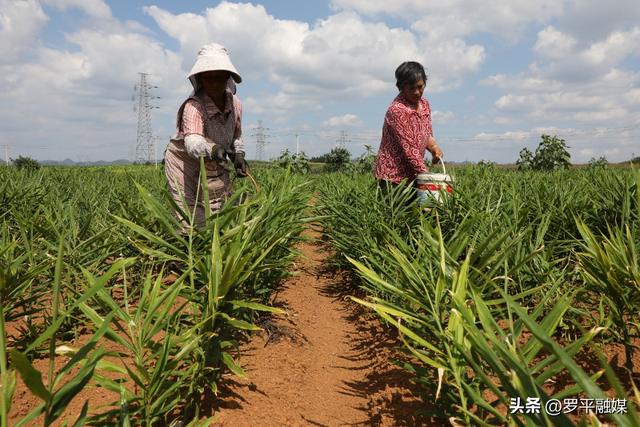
x,y
240,163
217,154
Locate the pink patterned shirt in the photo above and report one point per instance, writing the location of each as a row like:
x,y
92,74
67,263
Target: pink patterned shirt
x,y
404,141
193,117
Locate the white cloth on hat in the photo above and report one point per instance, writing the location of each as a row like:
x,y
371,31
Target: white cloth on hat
x,y
213,57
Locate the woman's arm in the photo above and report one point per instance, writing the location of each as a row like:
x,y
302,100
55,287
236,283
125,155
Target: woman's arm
x,y
195,141
238,143
193,130
432,145
434,149
192,119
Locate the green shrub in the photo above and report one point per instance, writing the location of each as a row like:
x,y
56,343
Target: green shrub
x,y
338,159
26,163
296,163
550,155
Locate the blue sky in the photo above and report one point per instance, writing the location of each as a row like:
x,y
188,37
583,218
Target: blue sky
x,y
501,73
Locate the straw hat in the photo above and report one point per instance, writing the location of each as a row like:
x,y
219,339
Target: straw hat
x,y
213,57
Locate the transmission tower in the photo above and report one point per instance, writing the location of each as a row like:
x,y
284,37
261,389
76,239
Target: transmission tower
x,y
261,140
6,152
145,142
344,139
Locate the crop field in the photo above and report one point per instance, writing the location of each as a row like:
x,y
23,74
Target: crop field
x,y
520,289
523,287
99,251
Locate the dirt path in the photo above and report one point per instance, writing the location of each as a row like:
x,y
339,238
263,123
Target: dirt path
x,y
325,364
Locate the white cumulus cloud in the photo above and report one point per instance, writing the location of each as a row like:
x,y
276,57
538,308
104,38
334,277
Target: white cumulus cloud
x,y
585,82
592,20
504,18
84,89
341,56
343,121
20,24
442,117
553,44
94,8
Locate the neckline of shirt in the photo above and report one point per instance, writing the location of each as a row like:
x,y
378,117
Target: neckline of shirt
x,y
422,110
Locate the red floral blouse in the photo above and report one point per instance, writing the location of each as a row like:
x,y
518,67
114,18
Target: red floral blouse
x,y
404,141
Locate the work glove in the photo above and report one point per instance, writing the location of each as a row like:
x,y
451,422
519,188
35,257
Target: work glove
x,y
197,146
240,163
217,154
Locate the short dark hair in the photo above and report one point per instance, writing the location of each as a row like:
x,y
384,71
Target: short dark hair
x,y
408,73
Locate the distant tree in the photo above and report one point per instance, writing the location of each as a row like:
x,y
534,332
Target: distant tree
x,y
551,154
525,161
320,159
599,163
285,159
297,163
635,160
338,159
487,164
26,163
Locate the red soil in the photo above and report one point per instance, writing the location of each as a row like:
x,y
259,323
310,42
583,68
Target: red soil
x,y
326,363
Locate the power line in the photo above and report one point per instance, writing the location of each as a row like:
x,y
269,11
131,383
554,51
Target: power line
x,y
530,134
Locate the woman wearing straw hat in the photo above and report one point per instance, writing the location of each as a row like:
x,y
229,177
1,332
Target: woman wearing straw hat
x,y
208,125
407,131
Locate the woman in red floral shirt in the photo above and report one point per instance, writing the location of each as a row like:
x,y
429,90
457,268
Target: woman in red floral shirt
x,y
407,132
